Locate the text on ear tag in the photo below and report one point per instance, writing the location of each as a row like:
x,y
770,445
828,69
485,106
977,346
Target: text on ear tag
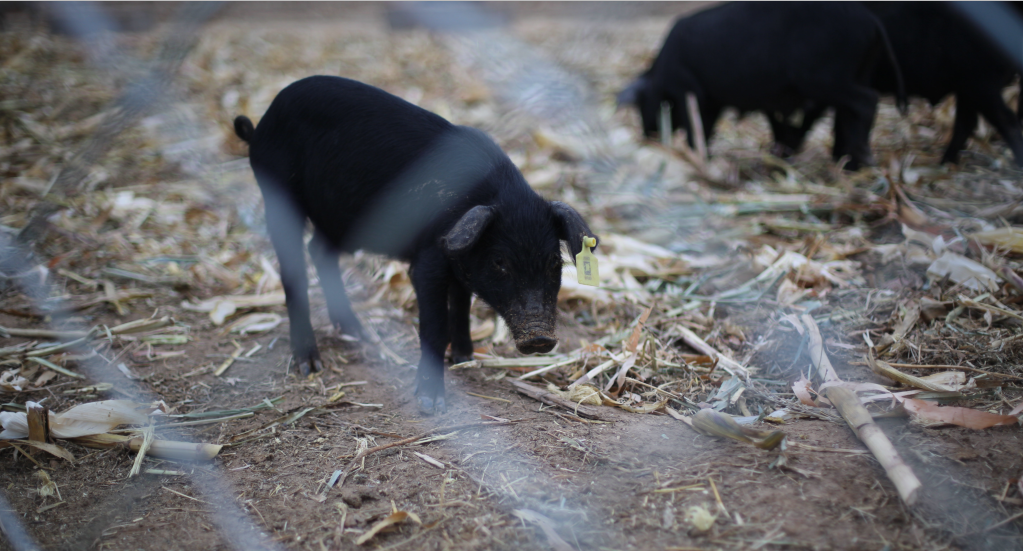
x,y
586,264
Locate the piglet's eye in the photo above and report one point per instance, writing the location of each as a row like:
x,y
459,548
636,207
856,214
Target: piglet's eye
x,y
500,265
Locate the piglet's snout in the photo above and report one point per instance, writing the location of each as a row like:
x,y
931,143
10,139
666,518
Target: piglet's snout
x,y
532,323
537,345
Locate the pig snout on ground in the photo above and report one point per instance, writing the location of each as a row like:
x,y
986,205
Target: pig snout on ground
x,y
775,57
372,171
537,344
532,323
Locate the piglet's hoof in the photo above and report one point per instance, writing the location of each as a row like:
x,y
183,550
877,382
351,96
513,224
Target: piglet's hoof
x,y
428,405
308,363
430,397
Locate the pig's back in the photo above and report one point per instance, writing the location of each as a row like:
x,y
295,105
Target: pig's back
x,y
345,150
345,127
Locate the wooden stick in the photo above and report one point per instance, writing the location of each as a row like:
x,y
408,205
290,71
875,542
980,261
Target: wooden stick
x,y
42,333
905,325
664,124
860,421
696,126
38,424
702,347
593,373
552,399
230,360
882,368
489,397
942,366
543,370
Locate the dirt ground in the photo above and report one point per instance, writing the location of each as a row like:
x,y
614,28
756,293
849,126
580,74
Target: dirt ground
x,y
509,472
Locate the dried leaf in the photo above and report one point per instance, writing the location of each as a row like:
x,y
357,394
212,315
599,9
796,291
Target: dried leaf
x,y
11,381
221,308
392,519
81,420
789,293
483,330
49,448
882,368
255,323
163,449
1016,410
801,388
1010,238
969,273
585,394
714,423
643,408
925,412
49,487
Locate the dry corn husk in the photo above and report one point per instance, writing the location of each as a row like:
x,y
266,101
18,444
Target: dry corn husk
x,y
714,423
927,413
393,518
882,368
11,381
1007,238
162,449
81,420
221,308
254,323
587,395
968,273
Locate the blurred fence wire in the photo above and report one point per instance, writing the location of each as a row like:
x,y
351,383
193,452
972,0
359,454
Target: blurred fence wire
x,y
1000,22
529,85
150,84
12,529
145,91
532,89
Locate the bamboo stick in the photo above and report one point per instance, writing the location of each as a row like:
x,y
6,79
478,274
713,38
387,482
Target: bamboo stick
x,y
696,126
731,366
42,333
552,399
859,419
163,449
38,423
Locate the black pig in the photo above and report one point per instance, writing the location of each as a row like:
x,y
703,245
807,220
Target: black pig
x,y
940,53
775,57
372,171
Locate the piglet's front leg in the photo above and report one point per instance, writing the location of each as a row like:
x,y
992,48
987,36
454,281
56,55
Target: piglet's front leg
x,y
430,278
459,302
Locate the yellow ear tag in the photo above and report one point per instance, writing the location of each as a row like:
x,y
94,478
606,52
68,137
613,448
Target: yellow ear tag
x,y
586,264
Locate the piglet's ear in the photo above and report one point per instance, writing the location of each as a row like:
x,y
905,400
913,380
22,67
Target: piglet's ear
x,y
467,230
571,227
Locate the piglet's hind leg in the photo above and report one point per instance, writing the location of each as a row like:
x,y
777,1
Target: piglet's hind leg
x,y
325,258
285,223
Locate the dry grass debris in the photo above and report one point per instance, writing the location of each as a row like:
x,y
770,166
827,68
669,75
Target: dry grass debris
x,y
728,280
